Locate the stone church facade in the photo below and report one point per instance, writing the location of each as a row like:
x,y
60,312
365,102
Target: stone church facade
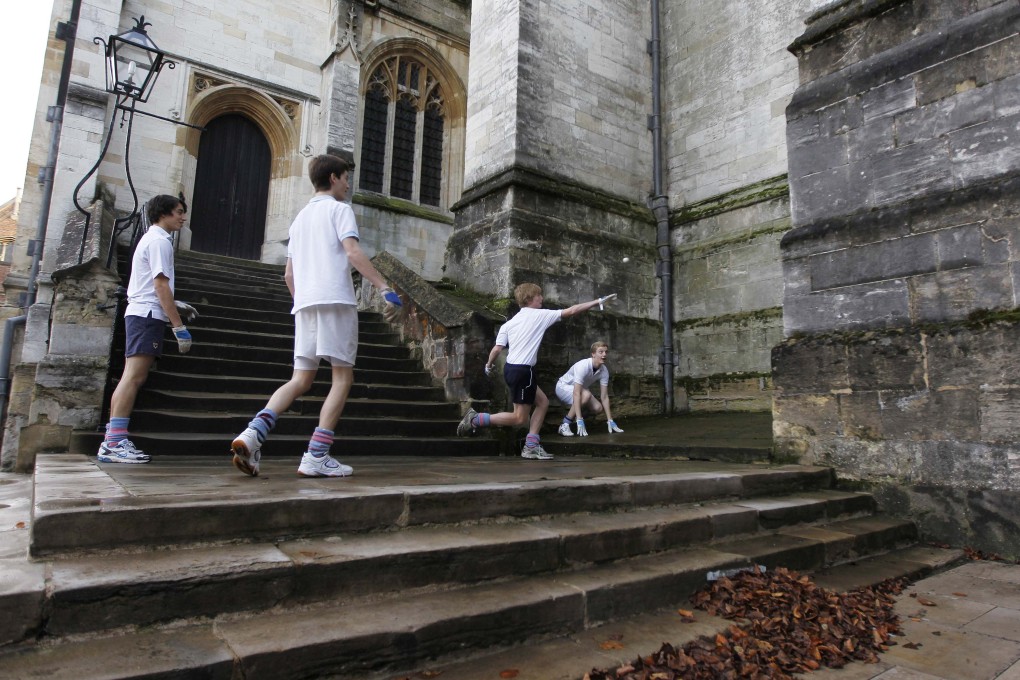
x,y
829,211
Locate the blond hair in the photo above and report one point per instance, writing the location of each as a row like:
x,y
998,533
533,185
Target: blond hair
x,y
526,292
595,346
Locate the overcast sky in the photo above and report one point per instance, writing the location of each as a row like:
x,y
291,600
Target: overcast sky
x,y
22,47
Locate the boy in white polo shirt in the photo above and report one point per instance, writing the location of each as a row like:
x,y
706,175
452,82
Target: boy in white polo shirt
x,y
522,335
323,247
150,306
573,389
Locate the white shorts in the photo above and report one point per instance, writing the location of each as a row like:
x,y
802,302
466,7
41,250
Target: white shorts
x,y
325,332
565,392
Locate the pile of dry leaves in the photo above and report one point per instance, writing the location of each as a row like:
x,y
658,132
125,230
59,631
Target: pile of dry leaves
x,y
783,624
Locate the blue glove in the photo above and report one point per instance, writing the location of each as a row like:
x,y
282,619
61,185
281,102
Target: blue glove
x,y
183,338
391,312
582,431
613,427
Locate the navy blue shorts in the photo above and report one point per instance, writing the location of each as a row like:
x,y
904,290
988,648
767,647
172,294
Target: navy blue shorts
x,y
143,335
520,378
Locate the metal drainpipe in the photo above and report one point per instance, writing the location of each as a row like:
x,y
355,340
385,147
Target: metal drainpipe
x,y
660,208
66,31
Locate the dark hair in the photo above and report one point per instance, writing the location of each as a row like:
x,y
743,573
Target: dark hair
x,y
162,205
321,168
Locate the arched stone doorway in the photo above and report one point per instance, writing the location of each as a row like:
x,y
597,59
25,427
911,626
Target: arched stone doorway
x,y
228,214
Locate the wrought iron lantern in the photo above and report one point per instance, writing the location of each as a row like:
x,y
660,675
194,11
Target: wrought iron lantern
x,y
133,62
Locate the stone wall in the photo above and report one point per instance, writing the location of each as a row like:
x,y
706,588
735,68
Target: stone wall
x,y
901,270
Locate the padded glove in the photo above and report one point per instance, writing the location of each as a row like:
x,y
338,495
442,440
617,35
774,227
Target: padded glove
x,y
187,312
613,427
393,304
183,339
582,431
604,299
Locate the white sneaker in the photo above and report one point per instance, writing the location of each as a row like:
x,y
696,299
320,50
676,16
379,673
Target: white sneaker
x,y
536,453
123,452
565,430
247,452
324,466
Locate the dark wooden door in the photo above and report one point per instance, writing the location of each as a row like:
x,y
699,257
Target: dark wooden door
x,y
228,215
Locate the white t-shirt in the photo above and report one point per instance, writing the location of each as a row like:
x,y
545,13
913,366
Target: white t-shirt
x,y
154,255
322,274
582,374
522,334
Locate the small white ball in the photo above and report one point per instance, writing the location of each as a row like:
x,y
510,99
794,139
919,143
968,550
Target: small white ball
x,y
626,260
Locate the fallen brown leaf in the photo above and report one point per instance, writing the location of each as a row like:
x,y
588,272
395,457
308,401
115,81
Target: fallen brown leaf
x,y
960,594
509,673
20,525
926,602
611,644
913,645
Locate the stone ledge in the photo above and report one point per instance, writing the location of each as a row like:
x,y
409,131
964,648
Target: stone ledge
x,y
956,40
835,17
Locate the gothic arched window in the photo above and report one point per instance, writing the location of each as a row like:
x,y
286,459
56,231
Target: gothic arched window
x,y
402,132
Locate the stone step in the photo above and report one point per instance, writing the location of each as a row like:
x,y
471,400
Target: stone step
x,y
373,370
231,285
205,297
203,422
234,402
369,344
100,512
370,356
226,263
350,637
262,387
189,443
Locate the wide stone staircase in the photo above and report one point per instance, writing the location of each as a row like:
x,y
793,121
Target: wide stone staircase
x,y
184,568
196,403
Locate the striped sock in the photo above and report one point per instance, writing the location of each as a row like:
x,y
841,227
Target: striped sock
x,y
263,422
117,430
481,420
567,420
320,442
531,441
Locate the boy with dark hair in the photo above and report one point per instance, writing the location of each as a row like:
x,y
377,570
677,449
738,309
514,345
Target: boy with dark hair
x,y
322,248
151,305
573,389
523,335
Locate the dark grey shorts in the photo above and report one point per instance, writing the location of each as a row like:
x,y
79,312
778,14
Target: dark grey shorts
x,y
143,335
520,378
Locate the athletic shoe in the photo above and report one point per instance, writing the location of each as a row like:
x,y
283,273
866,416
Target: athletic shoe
x,y
323,466
536,453
565,430
464,428
247,452
122,452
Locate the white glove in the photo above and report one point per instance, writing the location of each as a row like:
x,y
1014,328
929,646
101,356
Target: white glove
x,y
604,299
613,427
488,369
183,338
187,312
582,431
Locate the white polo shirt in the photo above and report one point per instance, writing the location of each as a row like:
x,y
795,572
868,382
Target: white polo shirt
x,y
582,374
322,274
522,334
154,255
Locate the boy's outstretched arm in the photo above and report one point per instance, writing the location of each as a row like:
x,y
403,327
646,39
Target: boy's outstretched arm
x,y
580,307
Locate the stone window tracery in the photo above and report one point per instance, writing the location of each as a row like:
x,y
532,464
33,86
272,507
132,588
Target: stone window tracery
x,y
403,131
